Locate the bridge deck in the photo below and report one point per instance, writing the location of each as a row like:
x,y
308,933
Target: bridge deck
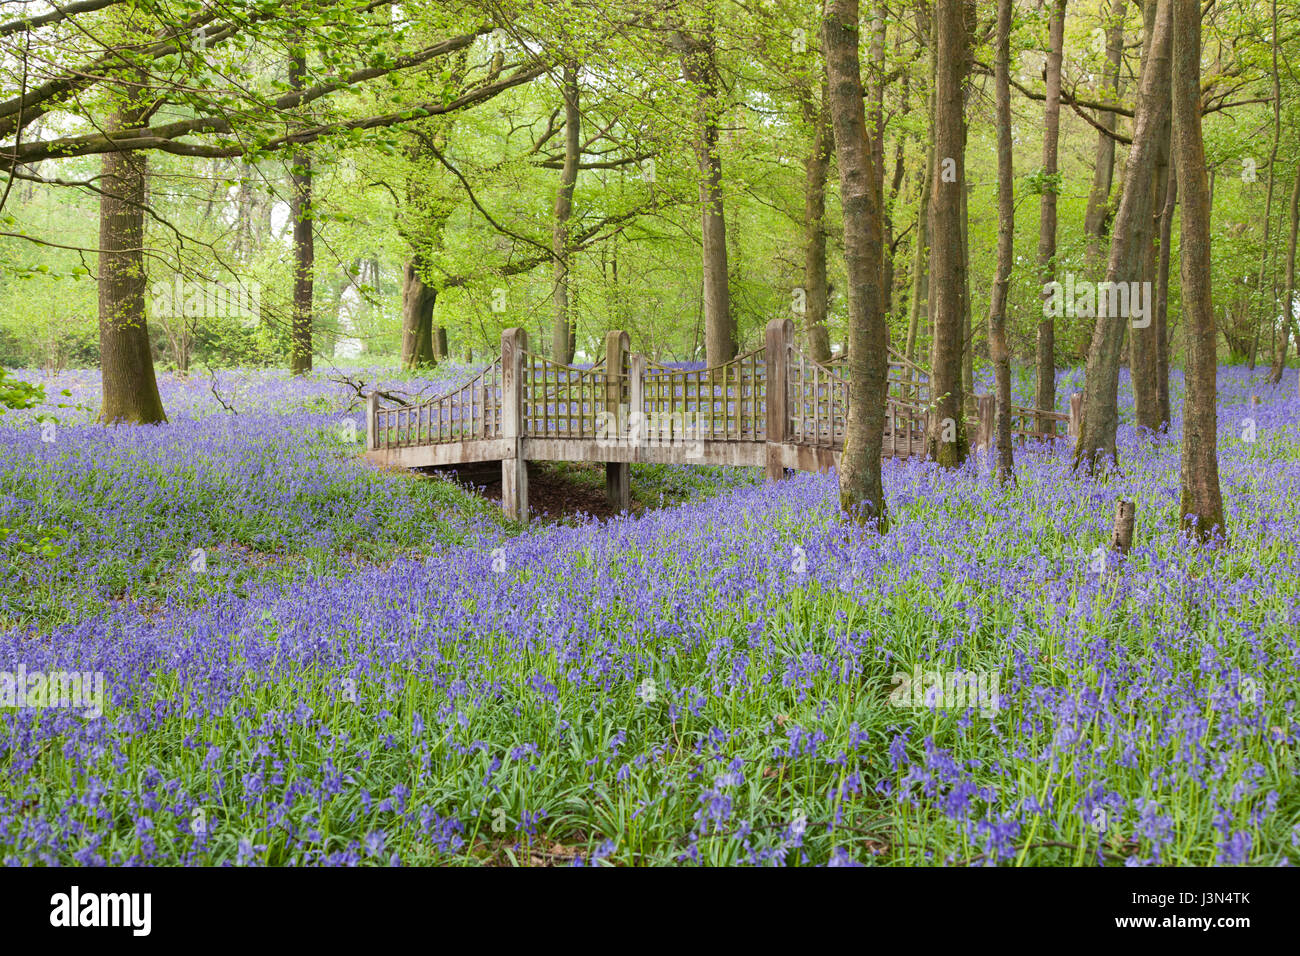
x,y
769,408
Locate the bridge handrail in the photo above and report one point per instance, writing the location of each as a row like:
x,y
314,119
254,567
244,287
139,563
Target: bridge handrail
x,y
415,424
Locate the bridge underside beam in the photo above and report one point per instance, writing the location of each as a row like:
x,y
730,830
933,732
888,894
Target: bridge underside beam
x,y
765,455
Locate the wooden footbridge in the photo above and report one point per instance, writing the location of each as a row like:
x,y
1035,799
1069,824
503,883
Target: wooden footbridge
x,y
769,408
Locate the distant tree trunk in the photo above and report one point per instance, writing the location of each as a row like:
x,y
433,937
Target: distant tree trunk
x,y
1129,238
861,489
1045,393
564,332
1288,300
1096,219
700,69
968,320
1270,301
1201,509
816,167
1161,320
948,443
129,386
922,302
998,351
1144,350
304,253
920,262
418,301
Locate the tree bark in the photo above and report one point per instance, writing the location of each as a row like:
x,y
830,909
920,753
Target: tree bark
x,y
1045,365
948,442
1270,307
418,301
1201,508
861,489
304,253
1161,320
564,332
700,70
816,169
129,386
1144,350
920,264
1131,235
998,351
1097,217
1288,299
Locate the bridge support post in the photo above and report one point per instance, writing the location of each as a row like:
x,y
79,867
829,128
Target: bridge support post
x,y
618,474
986,406
372,422
776,348
514,468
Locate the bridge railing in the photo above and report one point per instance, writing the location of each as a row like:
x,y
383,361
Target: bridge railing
x,y
725,402
469,412
773,393
561,401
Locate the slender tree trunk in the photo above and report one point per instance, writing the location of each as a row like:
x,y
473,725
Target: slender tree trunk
x,y
700,69
1129,239
563,334
816,167
129,386
1144,350
1045,394
1097,217
920,261
1270,302
1288,299
418,301
1201,509
1006,245
1161,320
948,443
968,329
304,253
861,489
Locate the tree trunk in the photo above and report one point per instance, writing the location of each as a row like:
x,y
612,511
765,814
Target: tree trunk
x,y
129,386
861,490
1045,393
1144,351
1096,219
816,167
304,254
700,69
1288,299
1270,307
920,261
1006,246
418,301
1201,509
1161,320
947,440
1131,235
564,331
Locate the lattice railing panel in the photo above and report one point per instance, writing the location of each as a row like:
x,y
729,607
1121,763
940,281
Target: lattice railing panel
x,y
723,403
469,413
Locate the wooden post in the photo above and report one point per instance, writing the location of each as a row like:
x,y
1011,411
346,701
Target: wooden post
x,y
776,350
986,406
514,469
1121,537
618,474
636,423
372,422
1076,414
